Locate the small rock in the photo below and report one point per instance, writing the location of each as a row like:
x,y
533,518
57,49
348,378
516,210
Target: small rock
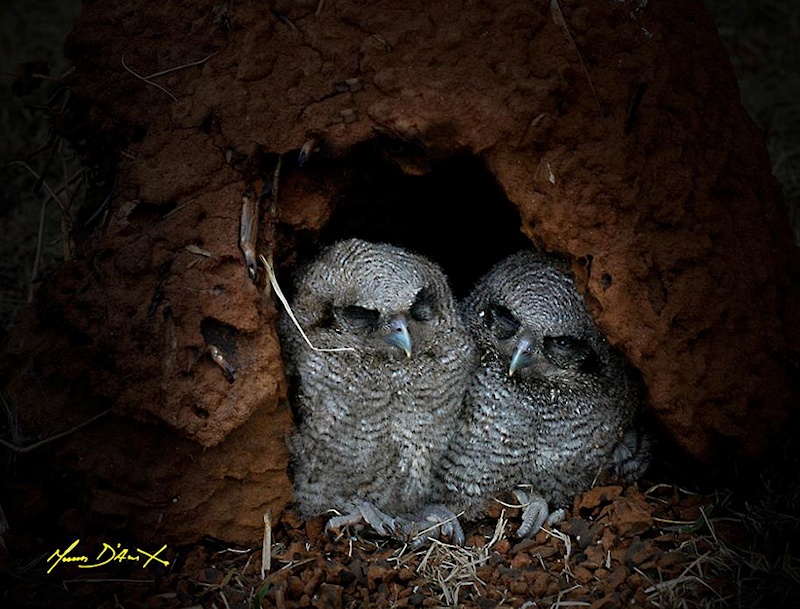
x,y
331,595
477,541
376,575
630,518
641,555
609,601
597,496
502,547
315,527
295,586
582,575
541,584
521,561
523,545
617,577
357,569
602,573
595,557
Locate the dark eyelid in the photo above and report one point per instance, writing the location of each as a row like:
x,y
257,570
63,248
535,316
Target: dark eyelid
x,y
359,317
423,308
566,343
571,351
501,321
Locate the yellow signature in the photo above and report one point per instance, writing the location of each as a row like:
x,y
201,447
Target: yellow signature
x,y
106,555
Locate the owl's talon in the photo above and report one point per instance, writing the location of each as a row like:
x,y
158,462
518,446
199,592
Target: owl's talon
x,y
365,512
383,524
536,514
435,522
335,525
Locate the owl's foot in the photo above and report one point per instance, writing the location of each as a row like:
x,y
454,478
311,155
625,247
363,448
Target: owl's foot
x,y
536,513
434,522
365,512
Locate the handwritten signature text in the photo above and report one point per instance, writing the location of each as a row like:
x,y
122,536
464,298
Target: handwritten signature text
x,y
108,554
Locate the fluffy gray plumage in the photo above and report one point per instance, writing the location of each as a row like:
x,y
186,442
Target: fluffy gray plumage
x,y
373,420
552,405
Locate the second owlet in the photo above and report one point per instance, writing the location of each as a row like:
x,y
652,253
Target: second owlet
x,y
552,404
378,408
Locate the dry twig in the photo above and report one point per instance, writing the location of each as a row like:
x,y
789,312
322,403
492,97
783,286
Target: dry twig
x,y
558,19
27,449
149,82
266,546
148,78
279,293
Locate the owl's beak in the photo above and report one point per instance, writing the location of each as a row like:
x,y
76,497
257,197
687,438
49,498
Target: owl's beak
x,y
522,356
399,336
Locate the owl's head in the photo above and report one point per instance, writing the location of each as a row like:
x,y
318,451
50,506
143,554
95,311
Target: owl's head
x,y
376,298
527,313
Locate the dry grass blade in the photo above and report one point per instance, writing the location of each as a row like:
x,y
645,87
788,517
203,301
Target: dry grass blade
x,y
3,527
144,79
248,233
279,293
198,251
558,19
266,546
38,251
273,203
560,602
435,526
26,449
673,592
181,67
148,78
66,219
178,208
453,568
564,538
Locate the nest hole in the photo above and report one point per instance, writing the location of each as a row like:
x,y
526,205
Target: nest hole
x,y
451,210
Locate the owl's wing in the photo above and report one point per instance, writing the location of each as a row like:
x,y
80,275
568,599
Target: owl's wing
x,y
631,456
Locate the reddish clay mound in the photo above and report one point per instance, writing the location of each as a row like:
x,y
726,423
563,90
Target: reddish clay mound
x,y
462,131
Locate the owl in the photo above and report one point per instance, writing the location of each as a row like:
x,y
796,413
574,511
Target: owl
x,y
379,388
552,405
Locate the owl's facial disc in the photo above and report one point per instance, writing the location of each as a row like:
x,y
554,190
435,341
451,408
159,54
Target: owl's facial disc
x,y
398,334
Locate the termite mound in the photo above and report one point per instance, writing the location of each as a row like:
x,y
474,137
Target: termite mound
x,y
463,135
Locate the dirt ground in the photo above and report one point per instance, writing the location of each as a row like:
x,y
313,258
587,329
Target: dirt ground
x,y
655,545
688,535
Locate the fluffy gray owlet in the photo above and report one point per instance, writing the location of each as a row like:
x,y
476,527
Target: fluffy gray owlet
x,y
375,418
551,405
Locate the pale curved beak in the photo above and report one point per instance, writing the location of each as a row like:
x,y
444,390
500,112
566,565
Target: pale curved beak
x,y
522,356
399,336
